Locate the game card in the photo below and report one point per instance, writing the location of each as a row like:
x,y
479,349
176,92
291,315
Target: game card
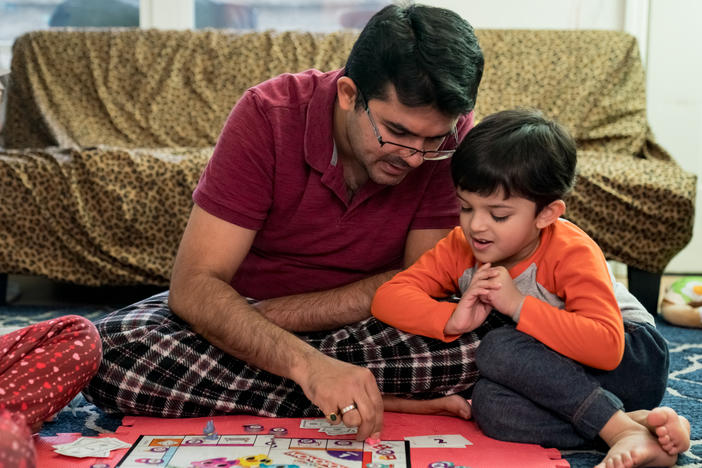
x,y
438,441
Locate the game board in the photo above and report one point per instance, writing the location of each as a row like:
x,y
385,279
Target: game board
x,y
441,447
262,450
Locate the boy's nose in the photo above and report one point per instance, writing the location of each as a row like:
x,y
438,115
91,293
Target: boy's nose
x,y
477,223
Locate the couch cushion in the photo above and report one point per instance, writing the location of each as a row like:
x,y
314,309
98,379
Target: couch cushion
x,y
147,88
96,216
591,81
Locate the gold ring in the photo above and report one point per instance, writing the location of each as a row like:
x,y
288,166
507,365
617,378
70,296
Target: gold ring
x,y
346,409
332,416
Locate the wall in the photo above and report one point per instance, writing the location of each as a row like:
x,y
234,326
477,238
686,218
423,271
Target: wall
x,y
539,14
675,99
670,48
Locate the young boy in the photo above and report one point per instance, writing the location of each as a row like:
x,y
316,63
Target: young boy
x,y
569,367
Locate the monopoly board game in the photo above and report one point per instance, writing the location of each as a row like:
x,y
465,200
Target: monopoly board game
x,y
264,451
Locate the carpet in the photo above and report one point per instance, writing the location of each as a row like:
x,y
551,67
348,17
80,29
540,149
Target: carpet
x,y
684,392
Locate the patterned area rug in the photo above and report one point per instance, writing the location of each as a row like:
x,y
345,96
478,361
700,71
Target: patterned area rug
x,y
684,384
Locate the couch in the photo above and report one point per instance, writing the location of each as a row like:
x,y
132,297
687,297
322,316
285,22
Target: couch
x,y
107,131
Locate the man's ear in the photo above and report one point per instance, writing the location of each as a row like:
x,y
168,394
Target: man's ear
x,y
346,91
550,213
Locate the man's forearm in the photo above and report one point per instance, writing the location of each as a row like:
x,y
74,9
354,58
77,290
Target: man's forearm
x,y
324,310
225,319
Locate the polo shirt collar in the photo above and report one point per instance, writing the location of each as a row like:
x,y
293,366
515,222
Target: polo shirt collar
x,y
319,129
320,149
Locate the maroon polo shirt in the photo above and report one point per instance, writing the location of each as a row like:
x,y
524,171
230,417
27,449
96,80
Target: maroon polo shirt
x,y
274,171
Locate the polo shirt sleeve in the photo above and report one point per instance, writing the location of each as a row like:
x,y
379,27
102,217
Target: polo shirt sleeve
x,y
439,207
237,184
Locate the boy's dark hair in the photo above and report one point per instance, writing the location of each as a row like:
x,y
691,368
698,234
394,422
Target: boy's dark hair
x,y
519,151
431,55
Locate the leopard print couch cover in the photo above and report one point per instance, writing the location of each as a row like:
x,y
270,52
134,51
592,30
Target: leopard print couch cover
x,y
107,132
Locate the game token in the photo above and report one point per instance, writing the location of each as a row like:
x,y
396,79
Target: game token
x,y
253,427
209,430
99,465
372,441
441,464
281,431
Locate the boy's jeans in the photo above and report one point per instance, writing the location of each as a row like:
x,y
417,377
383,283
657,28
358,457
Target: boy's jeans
x,y
530,393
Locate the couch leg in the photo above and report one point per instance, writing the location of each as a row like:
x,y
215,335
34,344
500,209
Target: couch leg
x,y
3,289
645,286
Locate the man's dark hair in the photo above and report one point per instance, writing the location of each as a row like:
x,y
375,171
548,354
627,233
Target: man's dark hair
x,y
431,55
519,151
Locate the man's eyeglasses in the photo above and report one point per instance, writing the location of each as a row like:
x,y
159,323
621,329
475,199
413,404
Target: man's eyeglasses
x,y
428,155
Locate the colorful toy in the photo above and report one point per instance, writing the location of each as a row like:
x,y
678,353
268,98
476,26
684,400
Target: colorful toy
x,y
682,302
209,431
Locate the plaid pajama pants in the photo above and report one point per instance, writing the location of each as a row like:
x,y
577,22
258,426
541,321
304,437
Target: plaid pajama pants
x,y
155,365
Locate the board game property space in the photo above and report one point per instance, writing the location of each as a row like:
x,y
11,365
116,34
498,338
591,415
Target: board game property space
x,y
265,451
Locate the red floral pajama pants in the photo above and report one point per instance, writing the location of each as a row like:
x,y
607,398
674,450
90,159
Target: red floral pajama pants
x,y
42,367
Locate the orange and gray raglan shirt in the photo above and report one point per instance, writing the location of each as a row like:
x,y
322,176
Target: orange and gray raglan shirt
x,y
573,304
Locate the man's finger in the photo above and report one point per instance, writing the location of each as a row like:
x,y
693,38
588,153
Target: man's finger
x,y
351,415
333,416
371,411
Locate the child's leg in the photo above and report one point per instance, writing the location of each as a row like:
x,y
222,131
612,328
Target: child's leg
x,y
550,380
646,363
45,365
541,389
504,414
641,378
16,446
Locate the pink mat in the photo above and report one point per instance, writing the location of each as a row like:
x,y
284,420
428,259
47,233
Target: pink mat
x,y
484,453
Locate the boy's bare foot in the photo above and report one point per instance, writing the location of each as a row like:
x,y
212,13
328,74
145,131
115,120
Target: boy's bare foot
x,y
632,445
672,430
451,405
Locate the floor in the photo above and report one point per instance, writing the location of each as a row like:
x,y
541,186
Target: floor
x,y
31,290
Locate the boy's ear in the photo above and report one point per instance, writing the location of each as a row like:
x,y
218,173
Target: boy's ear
x,y
346,93
550,213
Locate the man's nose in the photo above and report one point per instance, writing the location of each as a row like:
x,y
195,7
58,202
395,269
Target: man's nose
x,y
413,160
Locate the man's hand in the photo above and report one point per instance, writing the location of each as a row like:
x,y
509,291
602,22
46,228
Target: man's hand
x,y
332,385
472,310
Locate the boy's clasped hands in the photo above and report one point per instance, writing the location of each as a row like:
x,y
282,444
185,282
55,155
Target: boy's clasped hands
x,y
491,288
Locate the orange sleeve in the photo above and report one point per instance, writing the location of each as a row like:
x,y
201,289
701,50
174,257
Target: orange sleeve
x,y
589,329
407,301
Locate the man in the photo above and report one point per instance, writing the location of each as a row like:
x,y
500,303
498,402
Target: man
x,y
320,188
